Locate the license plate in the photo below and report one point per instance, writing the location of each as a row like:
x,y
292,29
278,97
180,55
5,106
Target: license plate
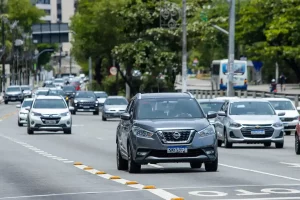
x,y
86,107
13,99
179,149
50,122
285,124
258,132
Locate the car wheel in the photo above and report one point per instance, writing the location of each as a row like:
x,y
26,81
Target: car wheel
x,y
212,166
279,145
68,131
133,167
104,118
96,113
227,144
288,132
268,144
195,165
19,124
220,142
74,112
122,164
29,131
6,102
297,144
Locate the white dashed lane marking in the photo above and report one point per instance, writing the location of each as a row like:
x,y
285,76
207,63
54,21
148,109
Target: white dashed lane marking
x,y
133,184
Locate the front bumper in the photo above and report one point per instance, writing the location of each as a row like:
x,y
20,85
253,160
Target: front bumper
x,y
13,98
23,118
86,108
154,151
36,124
244,135
111,114
290,126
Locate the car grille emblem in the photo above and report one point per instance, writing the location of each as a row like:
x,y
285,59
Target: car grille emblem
x,y
176,135
257,126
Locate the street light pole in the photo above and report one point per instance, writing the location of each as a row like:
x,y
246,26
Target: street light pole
x,y
3,51
230,89
184,48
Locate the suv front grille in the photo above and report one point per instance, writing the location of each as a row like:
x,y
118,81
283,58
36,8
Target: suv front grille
x,y
246,131
176,136
287,119
86,103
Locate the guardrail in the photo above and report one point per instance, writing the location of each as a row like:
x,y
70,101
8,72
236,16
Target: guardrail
x,y
209,94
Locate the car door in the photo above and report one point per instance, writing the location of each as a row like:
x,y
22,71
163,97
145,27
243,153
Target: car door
x,y
127,124
120,130
221,120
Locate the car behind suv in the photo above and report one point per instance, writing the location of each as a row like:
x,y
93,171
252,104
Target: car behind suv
x,y
85,101
164,128
13,93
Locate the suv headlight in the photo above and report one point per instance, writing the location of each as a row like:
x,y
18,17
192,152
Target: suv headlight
x,y
139,132
75,101
210,130
65,114
36,114
234,124
296,118
278,124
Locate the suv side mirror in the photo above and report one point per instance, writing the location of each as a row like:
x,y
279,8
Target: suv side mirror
x,y
125,116
281,114
211,115
27,108
221,113
18,106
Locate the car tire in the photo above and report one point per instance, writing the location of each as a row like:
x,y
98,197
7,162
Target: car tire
x,y
29,131
68,131
195,165
96,113
279,145
297,144
122,164
74,112
220,142
104,118
227,144
133,167
268,144
212,166
19,124
288,132
6,102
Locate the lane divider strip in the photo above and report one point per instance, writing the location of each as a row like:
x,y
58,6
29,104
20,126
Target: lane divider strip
x,y
133,184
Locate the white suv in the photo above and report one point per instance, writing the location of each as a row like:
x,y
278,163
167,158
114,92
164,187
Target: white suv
x,y
49,113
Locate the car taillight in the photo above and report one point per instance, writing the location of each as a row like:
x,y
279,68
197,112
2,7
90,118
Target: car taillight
x,y
245,82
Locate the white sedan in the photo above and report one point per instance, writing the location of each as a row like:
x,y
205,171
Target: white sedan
x,y
22,117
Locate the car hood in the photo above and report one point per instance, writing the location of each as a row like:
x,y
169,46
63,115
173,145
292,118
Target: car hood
x,y
23,110
85,99
288,113
117,107
255,119
13,93
165,124
50,111
101,100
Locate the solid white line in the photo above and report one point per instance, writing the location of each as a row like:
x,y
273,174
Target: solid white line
x,y
156,166
65,194
260,172
270,198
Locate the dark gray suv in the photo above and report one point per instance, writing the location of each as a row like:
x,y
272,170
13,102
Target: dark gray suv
x,y
165,128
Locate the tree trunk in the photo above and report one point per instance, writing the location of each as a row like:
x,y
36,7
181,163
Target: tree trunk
x,y
295,67
98,66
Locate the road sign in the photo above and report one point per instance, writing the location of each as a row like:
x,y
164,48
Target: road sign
x,y
113,70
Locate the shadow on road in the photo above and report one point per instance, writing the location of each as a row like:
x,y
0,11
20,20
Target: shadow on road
x,y
171,170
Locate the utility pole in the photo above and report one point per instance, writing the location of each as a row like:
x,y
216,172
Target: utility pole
x,y
70,62
184,48
3,47
230,89
90,73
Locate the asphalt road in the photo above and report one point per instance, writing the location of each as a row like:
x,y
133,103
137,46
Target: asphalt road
x,y
41,166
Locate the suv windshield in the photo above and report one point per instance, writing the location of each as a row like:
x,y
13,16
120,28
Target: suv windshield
x,y
169,109
49,104
116,101
251,108
26,104
44,92
56,92
25,88
69,89
59,81
13,89
85,95
101,95
211,106
282,105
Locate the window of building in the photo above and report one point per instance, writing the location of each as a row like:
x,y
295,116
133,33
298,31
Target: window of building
x,y
48,12
59,17
43,1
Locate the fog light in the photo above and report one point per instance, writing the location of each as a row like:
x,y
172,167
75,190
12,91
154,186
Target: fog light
x,y
32,122
141,153
210,152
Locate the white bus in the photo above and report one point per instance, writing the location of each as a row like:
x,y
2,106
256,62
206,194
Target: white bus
x,y
219,74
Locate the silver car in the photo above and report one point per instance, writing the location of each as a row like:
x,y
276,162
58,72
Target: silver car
x,y
22,118
59,82
113,107
249,121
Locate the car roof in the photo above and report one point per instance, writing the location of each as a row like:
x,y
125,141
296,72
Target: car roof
x,y
28,99
277,99
115,97
99,92
248,100
226,98
49,97
165,95
13,86
25,85
210,100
